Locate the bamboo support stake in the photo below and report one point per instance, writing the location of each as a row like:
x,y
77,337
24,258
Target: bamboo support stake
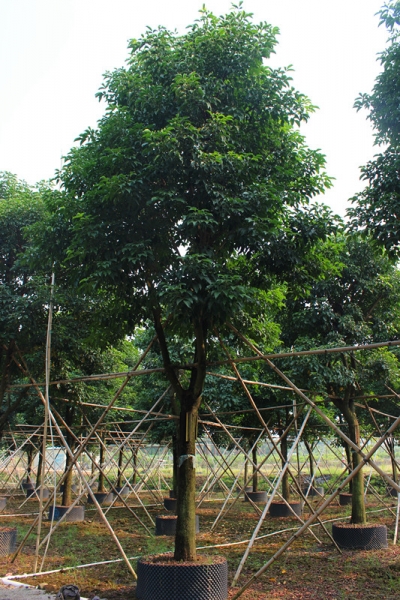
x,y
313,517
102,516
46,420
105,475
323,416
270,499
253,404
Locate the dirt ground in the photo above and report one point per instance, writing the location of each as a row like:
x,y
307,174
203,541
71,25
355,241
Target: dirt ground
x,y
9,592
312,569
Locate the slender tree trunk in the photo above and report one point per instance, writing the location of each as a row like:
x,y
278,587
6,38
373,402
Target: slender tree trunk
x,y
185,539
310,459
391,446
189,401
39,470
101,487
255,472
67,492
29,465
285,478
120,459
175,468
134,464
358,515
347,450
246,471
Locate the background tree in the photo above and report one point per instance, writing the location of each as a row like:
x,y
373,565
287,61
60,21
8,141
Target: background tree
x,y
359,307
377,208
23,292
195,167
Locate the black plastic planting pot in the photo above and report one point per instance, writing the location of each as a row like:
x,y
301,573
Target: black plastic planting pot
x,y
261,497
77,513
280,509
34,494
313,491
166,524
345,499
170,504
360,537
8,540
74,488
102,498
161,578
27,485
3,502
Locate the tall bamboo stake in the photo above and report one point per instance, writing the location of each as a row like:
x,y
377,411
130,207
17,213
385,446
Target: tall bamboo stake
x,y
46,420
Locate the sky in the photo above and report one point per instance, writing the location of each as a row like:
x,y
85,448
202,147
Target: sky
x,y
53,54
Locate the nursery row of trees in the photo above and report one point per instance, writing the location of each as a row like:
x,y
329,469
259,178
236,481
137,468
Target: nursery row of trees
x,y
186,214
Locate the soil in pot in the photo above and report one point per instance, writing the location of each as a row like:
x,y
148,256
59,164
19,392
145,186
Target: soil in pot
x,y
162,578
360,537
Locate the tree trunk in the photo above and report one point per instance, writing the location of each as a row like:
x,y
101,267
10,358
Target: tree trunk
x,y
39,470
120,459
246,471
255,472
185,539
189,401
391,447
285,478
175,468
310,459
101,487
347,451
134,464
29,465
67,493
358,515
69,420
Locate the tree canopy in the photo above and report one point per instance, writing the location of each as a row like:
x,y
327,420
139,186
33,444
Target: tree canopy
x,y
377,208
175,202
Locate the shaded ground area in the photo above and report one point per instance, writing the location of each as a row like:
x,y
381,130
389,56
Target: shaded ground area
x,y
309,570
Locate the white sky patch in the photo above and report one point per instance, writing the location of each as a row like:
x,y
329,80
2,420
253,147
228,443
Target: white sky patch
x,y
53,54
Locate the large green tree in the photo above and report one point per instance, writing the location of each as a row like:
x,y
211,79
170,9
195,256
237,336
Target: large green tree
x,y
377,208
23,293
195,169
358,306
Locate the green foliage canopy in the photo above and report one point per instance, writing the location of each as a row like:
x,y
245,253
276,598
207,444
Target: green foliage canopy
x,y
377,208
193,168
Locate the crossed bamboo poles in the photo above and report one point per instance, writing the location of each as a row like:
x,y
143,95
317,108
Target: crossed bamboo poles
x,y
217,475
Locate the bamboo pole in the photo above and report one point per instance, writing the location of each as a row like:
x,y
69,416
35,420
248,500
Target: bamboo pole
x,y
323,416
313,517
260,356
270,499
